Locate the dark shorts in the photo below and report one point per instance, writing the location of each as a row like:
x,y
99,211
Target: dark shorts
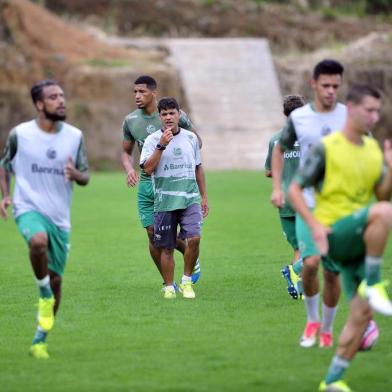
x,y
288,227
166,222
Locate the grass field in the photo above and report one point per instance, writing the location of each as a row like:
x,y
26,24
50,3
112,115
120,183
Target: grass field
x,y
114,332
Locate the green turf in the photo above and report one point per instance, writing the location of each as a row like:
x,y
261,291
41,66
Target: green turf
x,y
115,332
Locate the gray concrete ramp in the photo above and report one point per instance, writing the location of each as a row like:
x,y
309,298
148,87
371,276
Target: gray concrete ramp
x,y
234,97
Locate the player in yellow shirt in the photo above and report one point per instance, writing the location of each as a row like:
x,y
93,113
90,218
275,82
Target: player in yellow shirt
x,y
346,169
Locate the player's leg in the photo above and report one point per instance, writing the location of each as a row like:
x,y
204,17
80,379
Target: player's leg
x,y
190,221
196,272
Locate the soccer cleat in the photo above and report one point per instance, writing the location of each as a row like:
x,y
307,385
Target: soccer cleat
x,y
309,337
45,314
377,297
196,272
337,386
292,279
326,339
39,351
370,336
187,290
169,292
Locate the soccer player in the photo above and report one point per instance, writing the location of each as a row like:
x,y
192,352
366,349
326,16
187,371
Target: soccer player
x,y
346,169
307,125
47,156
137,125
286,213
172,157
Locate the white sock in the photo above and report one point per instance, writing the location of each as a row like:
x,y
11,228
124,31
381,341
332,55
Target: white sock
x,y
186,279
312,305
328,318
43,282
170,287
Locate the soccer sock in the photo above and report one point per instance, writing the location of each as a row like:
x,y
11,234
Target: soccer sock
x,y
186,279
40,336
328,318
44,287
336,369
297,266
312,304
171,287
373,269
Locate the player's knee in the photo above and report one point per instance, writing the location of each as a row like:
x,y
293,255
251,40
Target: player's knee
x,y
193,242
331,278
39,243
311,264
382,211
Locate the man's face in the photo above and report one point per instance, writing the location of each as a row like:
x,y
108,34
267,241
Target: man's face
x,y
326,90
53,103
365,114
143,95
169,118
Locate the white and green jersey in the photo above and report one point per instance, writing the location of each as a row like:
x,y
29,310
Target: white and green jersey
x,y
38,159
174,178
308,127
138,125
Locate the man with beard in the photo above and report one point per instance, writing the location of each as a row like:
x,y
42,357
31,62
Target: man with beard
x,y
137,125
47,155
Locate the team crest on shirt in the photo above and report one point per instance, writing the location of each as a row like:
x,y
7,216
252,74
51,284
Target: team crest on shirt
x,y
51,153
177,151
325,130
150,128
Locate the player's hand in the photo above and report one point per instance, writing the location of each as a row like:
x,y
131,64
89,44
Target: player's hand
x,y
132,177
277,198
70,171
388,153
166,137
204,206
4,204
320,236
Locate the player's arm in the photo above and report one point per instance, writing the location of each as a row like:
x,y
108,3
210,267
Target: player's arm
x,y
267,163
383,189
5,172
311,175
78,171
201,182
151,154
126,156
186,123
286,142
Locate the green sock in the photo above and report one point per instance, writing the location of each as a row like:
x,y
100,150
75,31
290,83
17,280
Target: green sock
x,y
373,269
40,336
45,290
336,369
297,266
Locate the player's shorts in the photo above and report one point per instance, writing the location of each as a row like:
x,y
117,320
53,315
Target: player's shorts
x,y
347,247
288,227
31,223
165,226
145,202
308,248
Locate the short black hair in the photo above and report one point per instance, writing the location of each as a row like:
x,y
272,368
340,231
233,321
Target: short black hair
x,y
38,88
149,81
167,103
357,92
292,102
327,67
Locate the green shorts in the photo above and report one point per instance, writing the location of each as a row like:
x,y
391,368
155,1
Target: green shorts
x,y
288,227
308,248
31,223
347,247
145,203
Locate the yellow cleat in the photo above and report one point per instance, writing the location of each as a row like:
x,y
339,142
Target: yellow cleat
x,y
337,386
377,297
39,351
187,290
46,313
169,293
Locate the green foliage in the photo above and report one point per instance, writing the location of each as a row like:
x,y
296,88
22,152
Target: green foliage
x,y
114,332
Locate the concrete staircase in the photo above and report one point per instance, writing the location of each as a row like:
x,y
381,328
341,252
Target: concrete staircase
x,y
234,97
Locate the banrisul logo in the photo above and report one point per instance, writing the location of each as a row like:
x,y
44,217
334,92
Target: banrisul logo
x,y
150,128
51,153
177,151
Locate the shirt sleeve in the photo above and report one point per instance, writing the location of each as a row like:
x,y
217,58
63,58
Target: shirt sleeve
x,y
9,151
81,158
127,134
313,172
288,136
148,149
197,152
271,145
185,122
